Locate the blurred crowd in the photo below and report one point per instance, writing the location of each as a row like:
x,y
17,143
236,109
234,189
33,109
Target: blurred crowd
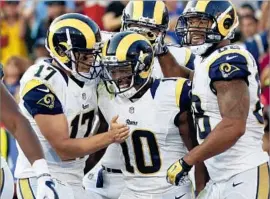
x,y
24,23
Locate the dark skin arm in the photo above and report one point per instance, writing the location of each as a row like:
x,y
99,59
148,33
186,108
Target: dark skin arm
x,y
19,126
233,101
170,67
188,133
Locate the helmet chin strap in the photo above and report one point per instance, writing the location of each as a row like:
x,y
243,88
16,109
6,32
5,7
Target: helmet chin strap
x,y
200,49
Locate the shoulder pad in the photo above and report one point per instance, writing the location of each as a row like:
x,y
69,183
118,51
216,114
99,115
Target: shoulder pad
x,y
181,90
229,64
183,94
183,56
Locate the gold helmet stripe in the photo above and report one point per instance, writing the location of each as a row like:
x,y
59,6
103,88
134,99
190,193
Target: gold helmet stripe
x,y
158,12
81,26
201,5
125,43
104,49
137,9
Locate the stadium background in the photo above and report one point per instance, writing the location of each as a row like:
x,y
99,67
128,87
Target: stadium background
x,y
23,27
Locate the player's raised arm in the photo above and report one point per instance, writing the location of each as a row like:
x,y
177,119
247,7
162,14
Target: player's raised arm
x,y
169,66
20,128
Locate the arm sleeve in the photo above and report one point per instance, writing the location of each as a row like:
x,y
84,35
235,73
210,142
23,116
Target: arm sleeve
x,y
183,94
190,62
41,100
228,67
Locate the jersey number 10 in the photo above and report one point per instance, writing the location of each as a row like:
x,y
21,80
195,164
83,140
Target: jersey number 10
x,y
138,149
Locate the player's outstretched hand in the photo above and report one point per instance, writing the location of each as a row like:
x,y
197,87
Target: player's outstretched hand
x,y
177,172
46,187
120,132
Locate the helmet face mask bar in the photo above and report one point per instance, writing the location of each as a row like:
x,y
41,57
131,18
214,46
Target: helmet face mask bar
x,y
127,59
85,61
185,31
205,24
121,76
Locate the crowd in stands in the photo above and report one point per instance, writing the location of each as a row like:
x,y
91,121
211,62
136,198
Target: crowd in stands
x,y
24,23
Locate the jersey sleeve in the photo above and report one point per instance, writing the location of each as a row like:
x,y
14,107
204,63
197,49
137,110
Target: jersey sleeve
x,y
38,98
183,94
229,66
189,59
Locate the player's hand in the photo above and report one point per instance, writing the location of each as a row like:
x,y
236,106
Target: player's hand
x,y
46,187
120,132
160,48
178,172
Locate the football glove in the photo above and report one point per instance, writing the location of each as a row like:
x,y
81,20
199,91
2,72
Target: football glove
x,y
45,185
177,172
160,48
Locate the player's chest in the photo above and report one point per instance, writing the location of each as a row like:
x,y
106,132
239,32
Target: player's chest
x,y
146,115
80,108
203,98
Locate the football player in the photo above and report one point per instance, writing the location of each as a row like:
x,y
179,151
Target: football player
x,y
155,110
59,99
225,100
151,19
20,128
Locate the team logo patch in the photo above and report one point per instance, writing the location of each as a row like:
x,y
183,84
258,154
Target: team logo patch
x,y
47,101
227,69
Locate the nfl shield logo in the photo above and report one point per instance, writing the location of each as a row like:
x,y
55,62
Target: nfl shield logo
x,y
131,110
84,96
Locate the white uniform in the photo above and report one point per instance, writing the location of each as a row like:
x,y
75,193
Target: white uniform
x,y
6,180
234,173
46,89
111,157
113,182
154,142
182,55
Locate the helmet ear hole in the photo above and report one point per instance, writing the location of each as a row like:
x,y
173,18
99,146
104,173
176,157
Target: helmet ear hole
x,y
147,62
227,23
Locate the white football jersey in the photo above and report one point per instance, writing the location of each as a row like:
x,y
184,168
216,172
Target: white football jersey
x,y
183,56
230,62
154,142
106,35
46,89
111,158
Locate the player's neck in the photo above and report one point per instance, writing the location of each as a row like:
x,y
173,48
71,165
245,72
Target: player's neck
x,y
55,64
215,46
224,43
142,91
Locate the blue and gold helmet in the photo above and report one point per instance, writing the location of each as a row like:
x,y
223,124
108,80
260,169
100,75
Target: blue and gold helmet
x,y
70,38
127,59
214,21
149,18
